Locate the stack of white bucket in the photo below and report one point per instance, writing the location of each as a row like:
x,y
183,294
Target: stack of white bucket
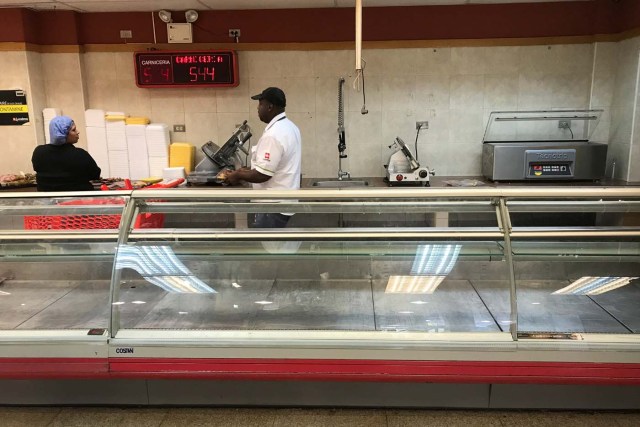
x,y
138,153
117,144
158,141
123,150
97,140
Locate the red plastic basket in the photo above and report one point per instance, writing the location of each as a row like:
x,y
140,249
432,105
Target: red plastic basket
x,y
90,222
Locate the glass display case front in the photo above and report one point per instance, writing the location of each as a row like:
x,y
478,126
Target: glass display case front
x,y
347,285
575,280
360,267
401,274
57,258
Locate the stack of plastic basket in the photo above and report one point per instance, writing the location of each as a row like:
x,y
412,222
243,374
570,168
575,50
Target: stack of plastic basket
x,y
93,222
90,222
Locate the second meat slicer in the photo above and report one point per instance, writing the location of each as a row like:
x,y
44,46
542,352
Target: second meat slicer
x,y
404,169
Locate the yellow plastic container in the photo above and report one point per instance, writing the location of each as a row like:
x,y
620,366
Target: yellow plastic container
x,y
182,154
137,121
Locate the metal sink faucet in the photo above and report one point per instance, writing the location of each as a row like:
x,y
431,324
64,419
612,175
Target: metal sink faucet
x,y
342,142
342,174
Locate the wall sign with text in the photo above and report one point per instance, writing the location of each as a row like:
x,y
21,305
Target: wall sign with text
x,y
14,110
213,68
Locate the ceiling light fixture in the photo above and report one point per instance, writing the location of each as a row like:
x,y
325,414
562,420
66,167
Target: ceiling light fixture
x,y
165,16
191,15
595,285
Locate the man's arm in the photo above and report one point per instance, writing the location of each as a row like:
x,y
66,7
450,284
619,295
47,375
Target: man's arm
x,y
245,174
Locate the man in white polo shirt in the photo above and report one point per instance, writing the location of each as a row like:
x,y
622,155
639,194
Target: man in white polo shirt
x,y
276,159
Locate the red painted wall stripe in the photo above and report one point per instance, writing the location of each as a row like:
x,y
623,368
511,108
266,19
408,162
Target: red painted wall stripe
x,y
476,21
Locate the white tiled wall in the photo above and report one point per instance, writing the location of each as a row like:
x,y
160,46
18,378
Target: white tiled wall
x,y
64,87
455,89
624,134
18,142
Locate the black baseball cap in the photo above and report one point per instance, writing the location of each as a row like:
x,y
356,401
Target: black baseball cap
x,y
274,95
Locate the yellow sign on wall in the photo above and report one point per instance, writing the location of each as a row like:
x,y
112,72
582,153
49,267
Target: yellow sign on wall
x,y
14,110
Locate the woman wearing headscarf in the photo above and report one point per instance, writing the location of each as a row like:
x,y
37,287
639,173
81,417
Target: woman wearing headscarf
x,y
60,165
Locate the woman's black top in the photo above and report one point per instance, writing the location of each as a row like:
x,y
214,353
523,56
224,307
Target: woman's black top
x,y
64,168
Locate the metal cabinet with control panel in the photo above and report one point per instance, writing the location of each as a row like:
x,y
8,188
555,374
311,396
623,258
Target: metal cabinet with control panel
x,y
543,145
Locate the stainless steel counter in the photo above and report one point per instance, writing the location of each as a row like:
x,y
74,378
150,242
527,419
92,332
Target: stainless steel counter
x,y
435,182
455,181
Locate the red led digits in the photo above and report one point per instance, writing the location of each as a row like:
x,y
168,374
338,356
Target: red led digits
x,y
209,59
146,74
187,59
166,73
150,74
202,74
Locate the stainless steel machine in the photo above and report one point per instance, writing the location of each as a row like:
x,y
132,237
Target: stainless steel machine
x,y
542,146
218,159
403,168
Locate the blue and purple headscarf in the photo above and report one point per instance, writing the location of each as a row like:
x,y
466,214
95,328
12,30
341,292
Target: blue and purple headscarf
x,y
59,129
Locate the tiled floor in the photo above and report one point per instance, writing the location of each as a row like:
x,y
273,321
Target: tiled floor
x,y
230,417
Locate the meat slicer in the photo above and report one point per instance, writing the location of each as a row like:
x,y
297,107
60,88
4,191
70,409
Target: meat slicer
x,y
216,159
404,169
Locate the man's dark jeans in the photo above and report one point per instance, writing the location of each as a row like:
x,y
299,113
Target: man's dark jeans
x,y
270,220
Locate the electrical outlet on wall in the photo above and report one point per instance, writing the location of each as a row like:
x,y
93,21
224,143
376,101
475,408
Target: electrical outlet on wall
x,y
564,124
179,128
422,125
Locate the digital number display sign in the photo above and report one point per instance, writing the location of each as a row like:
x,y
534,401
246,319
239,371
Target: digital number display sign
x,y
217,68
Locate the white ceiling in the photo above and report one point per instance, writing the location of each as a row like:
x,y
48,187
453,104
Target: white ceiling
x,y
179,5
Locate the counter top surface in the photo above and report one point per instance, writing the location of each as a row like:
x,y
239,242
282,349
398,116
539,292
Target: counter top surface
x,y
435,182
478,181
